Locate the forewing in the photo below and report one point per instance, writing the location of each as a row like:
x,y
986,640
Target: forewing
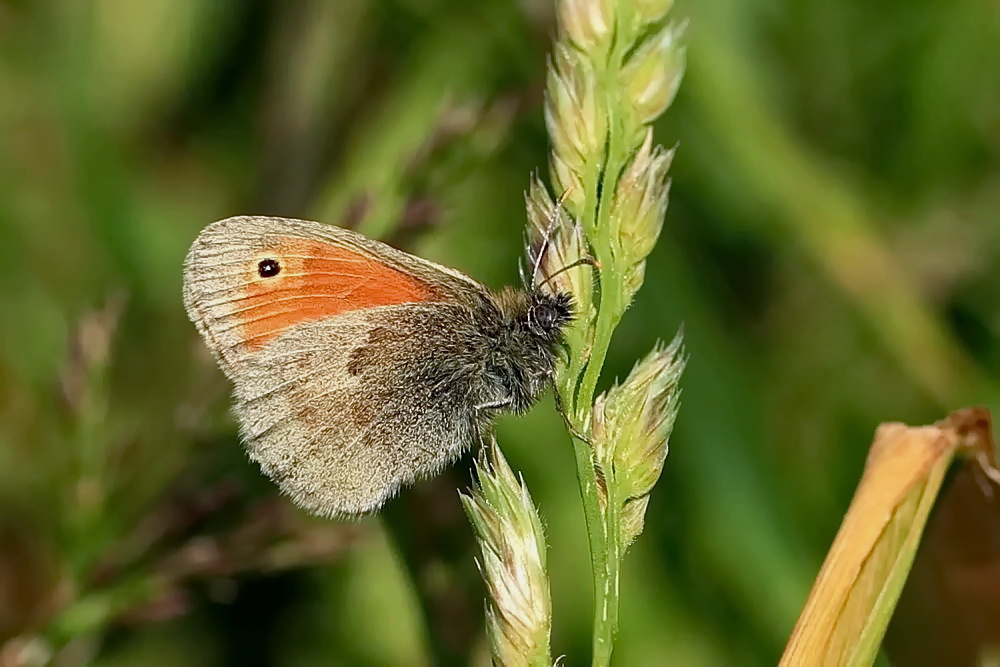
x,y
324,271
342,412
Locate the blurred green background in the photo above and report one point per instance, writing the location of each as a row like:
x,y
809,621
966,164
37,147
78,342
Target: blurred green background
x,y
830,249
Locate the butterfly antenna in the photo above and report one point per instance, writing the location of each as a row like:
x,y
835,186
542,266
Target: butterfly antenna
x,y
542,249
590,261
549,233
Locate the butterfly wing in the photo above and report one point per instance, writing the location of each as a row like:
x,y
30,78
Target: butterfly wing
x,y
347,360
343,412
319,271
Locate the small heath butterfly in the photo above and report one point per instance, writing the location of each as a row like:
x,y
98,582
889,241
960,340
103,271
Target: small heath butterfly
x,y
357,367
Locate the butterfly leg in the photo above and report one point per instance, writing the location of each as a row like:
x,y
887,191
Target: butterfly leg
x,y
570,426
499,404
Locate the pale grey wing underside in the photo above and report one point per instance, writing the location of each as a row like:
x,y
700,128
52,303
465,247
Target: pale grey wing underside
x,y
342,412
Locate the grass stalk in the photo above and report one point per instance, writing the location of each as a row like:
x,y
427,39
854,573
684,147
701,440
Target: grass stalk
x,y
615,69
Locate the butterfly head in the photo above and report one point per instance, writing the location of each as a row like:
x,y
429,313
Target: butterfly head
x,y
547,314
528,339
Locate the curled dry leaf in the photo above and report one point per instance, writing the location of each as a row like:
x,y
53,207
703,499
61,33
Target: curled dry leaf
x,y
856,591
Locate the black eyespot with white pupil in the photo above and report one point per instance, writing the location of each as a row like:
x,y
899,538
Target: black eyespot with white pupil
x,y
268,268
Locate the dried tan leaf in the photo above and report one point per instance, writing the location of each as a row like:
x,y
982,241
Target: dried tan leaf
x,y
847,612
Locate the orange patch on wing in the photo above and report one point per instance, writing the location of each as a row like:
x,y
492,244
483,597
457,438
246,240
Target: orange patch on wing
x,y
317,280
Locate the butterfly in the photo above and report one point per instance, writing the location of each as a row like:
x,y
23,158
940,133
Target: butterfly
x,y
358,368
